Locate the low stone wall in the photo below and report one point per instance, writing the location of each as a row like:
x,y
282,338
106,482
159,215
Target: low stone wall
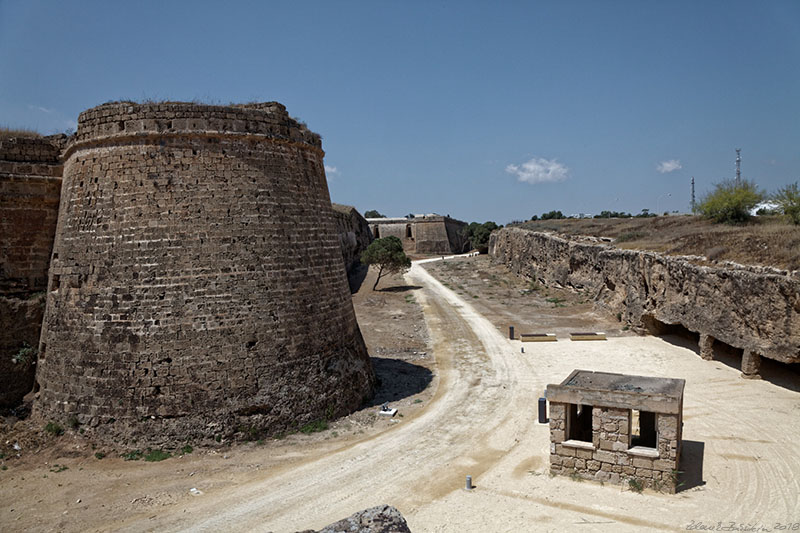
x,y
755,309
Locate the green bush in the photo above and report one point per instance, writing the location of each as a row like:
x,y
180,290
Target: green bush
x,y
553,215
135,455
788,200
314,427
731,202
54,429
25,355
154,456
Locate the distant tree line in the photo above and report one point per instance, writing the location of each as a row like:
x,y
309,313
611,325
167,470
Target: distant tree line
x,y
478,235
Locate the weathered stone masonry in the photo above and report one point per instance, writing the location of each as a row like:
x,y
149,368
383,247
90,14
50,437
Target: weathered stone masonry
x,y
617,428
753,309
354,234
196,285
30,184
423,234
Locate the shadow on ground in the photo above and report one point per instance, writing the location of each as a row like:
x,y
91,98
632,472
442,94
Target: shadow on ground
x,y
691,467
401,288
398,379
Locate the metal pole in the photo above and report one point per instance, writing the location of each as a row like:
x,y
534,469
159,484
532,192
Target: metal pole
x,y
469,483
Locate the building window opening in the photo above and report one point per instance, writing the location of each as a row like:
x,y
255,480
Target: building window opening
x,y
377,233
579,422
408,231
643,429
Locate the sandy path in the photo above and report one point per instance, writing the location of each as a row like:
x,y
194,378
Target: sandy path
x,y
482,422
471,422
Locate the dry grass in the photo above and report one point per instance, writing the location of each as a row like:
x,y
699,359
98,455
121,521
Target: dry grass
x,y
767,241
8,133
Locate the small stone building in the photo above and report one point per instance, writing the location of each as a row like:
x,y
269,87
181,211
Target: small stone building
x,y
617,428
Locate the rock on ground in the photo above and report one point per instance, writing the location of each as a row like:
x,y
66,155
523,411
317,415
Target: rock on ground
x,y
380,519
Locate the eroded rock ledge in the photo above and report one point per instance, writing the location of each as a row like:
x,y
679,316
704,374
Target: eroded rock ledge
x,y
755,309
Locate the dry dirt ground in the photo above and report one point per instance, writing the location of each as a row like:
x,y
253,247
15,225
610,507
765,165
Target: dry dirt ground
x,y
477,416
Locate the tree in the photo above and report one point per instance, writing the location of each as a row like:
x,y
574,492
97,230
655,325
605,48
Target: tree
x,y
731,202
478,235
788,200
388,254
553,215
373,213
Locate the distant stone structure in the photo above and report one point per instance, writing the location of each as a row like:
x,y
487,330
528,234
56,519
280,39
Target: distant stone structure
x,y
423,234
197,288
616,428
30,185
753,311
354,234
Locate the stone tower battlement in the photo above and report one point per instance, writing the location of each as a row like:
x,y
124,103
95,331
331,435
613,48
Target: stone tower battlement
x,y
112,120
196,284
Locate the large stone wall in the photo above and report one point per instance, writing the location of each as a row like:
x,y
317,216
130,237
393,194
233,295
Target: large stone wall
x,y
754,309
354,234
197,287
423,234
30,185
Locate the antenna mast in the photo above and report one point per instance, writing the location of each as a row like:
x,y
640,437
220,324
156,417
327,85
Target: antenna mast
x,y
738,166
694,203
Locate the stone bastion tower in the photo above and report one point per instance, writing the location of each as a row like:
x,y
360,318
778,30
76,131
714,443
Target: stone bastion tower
x,y
196,287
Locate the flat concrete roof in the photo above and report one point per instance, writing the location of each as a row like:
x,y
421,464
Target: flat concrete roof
x,y
662,395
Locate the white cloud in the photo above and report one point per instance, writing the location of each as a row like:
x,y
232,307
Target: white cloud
x,y
40,108
330,171
669,166
539,170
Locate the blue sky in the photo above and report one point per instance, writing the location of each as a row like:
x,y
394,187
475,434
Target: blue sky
x,y
482,110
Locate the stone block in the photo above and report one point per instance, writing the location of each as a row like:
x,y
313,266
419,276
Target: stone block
x,y
605,456
583,453
565,451
642,462
593,465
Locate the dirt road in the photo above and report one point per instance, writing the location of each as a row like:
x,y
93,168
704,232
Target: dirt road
x,y
740,439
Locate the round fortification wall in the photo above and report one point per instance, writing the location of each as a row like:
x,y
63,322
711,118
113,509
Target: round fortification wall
x,y
197,288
